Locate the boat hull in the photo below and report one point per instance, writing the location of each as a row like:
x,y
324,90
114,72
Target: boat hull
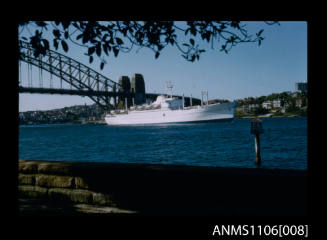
x,y
213,112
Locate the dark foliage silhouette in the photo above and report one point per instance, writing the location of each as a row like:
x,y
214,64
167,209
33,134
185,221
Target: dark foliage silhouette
x,y
112,37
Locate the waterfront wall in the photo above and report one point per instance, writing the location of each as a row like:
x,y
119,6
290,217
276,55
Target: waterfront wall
x,y
166,189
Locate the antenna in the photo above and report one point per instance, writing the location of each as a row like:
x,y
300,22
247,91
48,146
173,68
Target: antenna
x,y
170,88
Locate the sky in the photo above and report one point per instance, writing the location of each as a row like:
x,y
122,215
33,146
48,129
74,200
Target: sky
x,y
248,70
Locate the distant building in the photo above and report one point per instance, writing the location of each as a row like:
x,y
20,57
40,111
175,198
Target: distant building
x,y
245,108
267,105
301,87
277,103
253,106
286,105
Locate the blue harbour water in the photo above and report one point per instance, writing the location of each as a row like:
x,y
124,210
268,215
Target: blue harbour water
x,y
283,143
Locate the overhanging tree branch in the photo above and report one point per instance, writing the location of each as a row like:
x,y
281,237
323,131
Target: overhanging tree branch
x,y
122,36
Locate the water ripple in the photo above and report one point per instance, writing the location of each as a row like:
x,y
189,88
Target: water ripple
x,y
283,144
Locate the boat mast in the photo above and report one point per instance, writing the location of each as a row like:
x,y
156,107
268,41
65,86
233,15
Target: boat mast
x,y
204,94
170,88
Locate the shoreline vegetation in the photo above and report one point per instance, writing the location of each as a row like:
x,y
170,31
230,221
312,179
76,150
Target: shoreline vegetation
x,y
271,115
285,104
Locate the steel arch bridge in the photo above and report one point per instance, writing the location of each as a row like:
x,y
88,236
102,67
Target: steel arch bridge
x,y
86,81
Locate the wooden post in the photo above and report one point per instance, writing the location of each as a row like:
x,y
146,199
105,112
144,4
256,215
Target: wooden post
x,y
257,149
256,129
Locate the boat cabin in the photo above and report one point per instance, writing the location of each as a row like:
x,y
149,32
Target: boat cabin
x,y
168,103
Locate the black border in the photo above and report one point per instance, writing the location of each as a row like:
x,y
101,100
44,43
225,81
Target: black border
x,y
154,227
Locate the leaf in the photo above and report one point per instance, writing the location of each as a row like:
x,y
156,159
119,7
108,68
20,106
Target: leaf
x,y
259,33
56,33
65,24
116,51
75,25
66,34
40,24
86,38
172,41
186,31
157,55
207,36
64,45
91,50
104,37
193,31
55,43
91,59
98,50
101,65
119,41
24,38
185,44
79,36
105,49
192,41
46,44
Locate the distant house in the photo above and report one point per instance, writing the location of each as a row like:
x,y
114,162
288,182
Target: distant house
x,y
253,106
277,103
267,104
245,108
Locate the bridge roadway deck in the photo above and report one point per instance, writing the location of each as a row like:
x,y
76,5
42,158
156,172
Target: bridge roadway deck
x,y
92,93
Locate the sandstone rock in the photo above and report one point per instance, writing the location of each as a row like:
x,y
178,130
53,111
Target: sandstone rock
x,y
26,179
32,191
53,181
27,167
74,195
59,168
103,199
80,183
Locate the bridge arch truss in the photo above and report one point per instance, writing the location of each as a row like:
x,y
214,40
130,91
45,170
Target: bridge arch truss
x,y
89,82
